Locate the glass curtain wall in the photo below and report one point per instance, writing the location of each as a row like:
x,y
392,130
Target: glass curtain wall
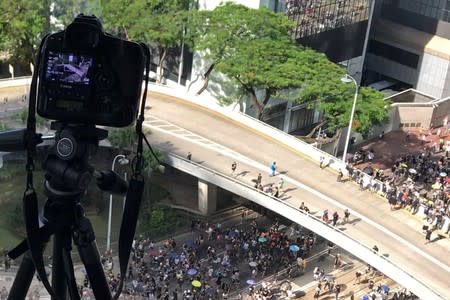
x,y
436,9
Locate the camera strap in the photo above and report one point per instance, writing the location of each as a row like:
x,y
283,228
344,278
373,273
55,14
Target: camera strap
x,y
30,202
135,189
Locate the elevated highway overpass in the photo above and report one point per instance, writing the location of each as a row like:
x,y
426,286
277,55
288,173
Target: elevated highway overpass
x,y
216,140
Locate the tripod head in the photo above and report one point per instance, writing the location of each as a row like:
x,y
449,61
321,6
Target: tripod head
x,y
67,165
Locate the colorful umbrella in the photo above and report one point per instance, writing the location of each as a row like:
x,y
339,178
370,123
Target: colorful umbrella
x,y
192,271
253,264
436,186
250,281
196,283
262,239
385,288
365,297
294,248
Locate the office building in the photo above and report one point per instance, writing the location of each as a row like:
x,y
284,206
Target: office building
x,y
409,46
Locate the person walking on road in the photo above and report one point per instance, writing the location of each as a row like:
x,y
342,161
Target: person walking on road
x,y
281,184
335,218
337,290
273,168
321,161
346,215
259,179
189,156
303,207
233,167
428,235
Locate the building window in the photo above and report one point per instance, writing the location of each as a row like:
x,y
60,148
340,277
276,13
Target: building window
x,y
315,16
393,53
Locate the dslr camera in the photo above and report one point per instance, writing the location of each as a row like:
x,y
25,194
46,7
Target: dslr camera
x,y
87,76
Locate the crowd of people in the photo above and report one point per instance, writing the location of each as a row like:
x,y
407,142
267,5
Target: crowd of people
x,y
314,16
419,182
217,262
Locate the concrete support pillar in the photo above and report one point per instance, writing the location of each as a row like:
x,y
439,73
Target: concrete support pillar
x,y
207,197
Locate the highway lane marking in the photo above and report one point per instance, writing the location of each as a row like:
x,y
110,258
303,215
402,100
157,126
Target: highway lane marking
x,y
235,155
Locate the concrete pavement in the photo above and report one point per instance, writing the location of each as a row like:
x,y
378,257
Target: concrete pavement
x,y
215,142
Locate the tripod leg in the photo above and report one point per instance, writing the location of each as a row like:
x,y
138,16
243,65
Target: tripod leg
x,y
70,275
84,238
23,278
58,279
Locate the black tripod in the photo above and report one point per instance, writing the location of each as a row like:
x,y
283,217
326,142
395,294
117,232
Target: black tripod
x,y
68,175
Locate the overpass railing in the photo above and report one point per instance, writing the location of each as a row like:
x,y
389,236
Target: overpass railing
x,y
309,221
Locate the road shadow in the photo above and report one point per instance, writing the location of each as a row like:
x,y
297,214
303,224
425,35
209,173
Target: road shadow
x,y
354,221
289,190
243,173
347,266
439,237
283,172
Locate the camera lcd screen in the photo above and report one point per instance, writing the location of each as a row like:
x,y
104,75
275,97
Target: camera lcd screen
x,y
68,68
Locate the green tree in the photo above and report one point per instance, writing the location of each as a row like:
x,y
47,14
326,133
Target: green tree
x,y
254,49
335,100
115,17
217,33
157,22
65,11
3,126
123,138
23,116
23,23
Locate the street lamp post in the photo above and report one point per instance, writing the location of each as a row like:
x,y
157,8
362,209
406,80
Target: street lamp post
x,y
347,79
123,161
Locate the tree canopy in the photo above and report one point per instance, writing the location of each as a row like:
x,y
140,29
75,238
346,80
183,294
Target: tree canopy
x,y
156,22
23,23
266,62
216,33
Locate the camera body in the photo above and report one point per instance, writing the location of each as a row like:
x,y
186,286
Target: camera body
x,y
87,76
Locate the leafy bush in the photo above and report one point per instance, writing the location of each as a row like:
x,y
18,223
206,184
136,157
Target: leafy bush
x,y
123,137
3,126
23,116
160,221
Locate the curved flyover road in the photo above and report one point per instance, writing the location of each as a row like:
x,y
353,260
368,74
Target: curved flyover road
x,y
215,141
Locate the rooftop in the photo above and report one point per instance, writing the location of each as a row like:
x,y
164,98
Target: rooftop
x,y
411,96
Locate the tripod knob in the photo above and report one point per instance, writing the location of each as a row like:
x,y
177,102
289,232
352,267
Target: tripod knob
x,y
66,148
